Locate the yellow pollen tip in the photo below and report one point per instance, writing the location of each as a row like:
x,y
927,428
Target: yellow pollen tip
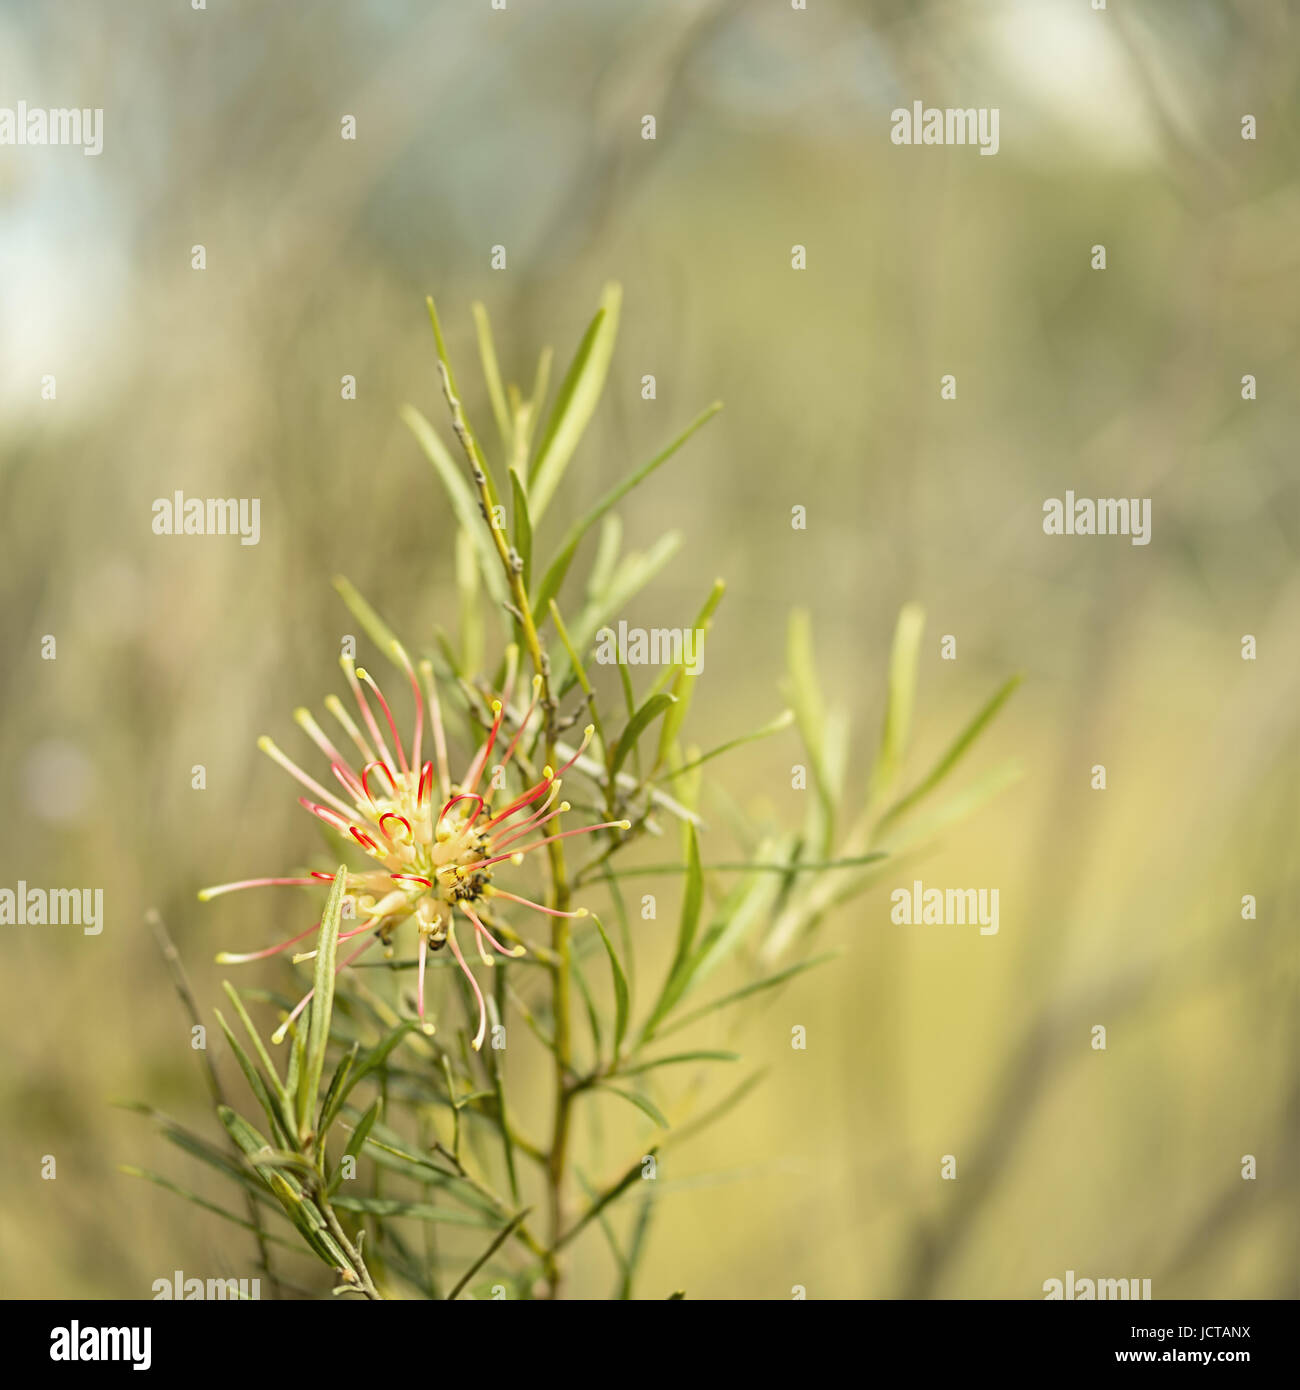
x,y
427,1029
362,674
519,951
205,894
280,1034
548,772
516,858
305,955
564,806
224,958
537,685
496,707
302,714
264,743
625,825
588,731
581,912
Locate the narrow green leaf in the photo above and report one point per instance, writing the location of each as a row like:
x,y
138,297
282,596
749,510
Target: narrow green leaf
x,y
263,1055
711,1116
620,989
964,803
322,1001
775,726
647,1107
636,1247
559,567
308,1220
900,700
744,866
523,526
749,904
356,1139
440,343
632,1175
603,564
497,1067
541,384
199,1148
954,753
378,1055
334,1096
168,1186
809,707
683,686
498,1240
257,1084
374,626
464,505
470,608
588,1003
688,924
576,403
492,374
415,1211
606,1228
736,995
676,1058
636,726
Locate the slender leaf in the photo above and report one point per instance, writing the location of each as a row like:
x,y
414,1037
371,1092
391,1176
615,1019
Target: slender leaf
x,y
374,626
684,681
954,753
637,725
576,403
492,374
620,988
498,1241
647,1107
257,1084
523,526
463,502
413,1211
736,995
688,924
322,1001
559,567
676,1059
901,699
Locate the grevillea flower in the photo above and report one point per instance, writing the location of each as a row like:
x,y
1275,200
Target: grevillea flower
x,y
436,844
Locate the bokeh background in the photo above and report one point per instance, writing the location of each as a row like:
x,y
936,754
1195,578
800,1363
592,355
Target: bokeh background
x,y
522,128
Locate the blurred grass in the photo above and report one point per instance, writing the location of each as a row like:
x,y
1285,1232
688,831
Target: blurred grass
x,y
523,129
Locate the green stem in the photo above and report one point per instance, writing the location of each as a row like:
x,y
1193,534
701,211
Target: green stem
x,y
560,941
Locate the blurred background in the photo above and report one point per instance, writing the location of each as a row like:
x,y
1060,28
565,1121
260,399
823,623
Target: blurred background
x,y
522,128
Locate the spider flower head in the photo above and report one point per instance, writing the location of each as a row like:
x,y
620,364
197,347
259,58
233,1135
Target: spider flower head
x,y
436,846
